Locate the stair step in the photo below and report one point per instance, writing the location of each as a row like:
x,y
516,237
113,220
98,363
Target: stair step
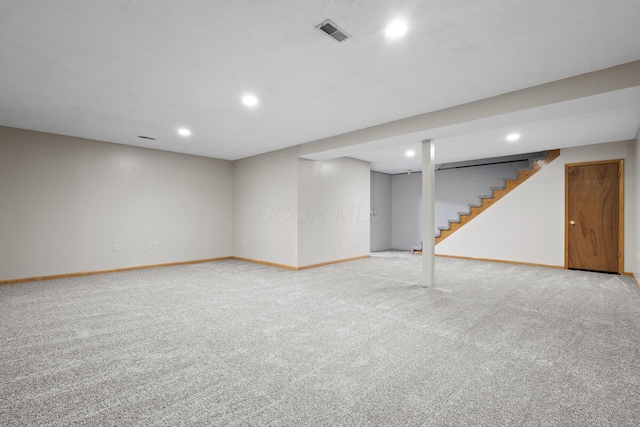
x,y
521,174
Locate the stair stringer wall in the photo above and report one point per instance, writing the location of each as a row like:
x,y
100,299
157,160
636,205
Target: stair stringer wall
x,y
527,224
459,189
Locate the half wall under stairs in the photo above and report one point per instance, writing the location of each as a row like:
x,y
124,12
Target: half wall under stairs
x,y
496,194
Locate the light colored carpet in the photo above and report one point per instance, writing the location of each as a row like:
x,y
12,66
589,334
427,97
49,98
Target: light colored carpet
x,y
358,343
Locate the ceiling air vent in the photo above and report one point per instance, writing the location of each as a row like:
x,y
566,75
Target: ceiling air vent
x,y
332,30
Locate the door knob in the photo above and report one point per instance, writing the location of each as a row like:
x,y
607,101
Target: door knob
x,y
572,222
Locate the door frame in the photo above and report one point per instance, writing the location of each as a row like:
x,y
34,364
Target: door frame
x,y
620,163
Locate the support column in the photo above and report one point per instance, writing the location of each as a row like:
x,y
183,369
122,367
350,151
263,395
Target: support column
x,y
428,212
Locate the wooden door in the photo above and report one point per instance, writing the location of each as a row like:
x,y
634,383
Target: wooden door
x,y
594,216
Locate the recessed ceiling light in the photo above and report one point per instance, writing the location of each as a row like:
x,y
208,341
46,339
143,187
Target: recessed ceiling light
x,y
513,137
396,29
250,100
184,131
410,153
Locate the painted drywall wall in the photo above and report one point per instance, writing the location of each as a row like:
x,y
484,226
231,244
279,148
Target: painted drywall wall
x,y
406,210
380,236
65,202
527,225
333,210
265,200
636,268
457,188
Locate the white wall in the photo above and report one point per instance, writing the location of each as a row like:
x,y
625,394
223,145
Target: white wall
x,y
527,225
406,209
265,194
381,212
455,189
333,210
459,187
636,268
65,202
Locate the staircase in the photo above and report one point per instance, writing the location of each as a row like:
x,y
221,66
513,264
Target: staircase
x,y
496,194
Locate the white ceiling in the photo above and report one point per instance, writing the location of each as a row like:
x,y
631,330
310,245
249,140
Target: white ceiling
x,y
114,70
612,116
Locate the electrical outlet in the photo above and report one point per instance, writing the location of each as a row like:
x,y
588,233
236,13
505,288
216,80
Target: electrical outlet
x,y
155,245
116,248
342,248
